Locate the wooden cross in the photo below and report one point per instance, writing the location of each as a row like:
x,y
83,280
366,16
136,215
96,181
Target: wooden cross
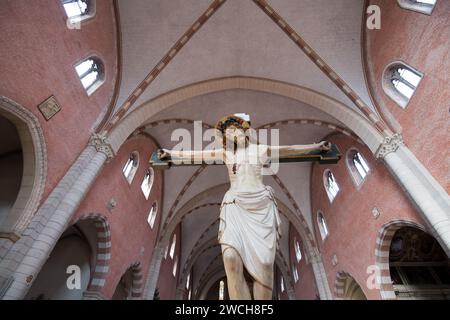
x,y
331,156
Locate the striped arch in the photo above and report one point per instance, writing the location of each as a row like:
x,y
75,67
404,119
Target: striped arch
x,y
382,248
137,281
103,254
340,282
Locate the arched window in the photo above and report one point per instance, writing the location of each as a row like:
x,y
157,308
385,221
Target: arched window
x,y
147,182
79,10
330,185
172,247
91,73
322,225
298,252
188,281
175,266
221,289
422,6
282,284
130,168
400,81
358,167
295,272
152,215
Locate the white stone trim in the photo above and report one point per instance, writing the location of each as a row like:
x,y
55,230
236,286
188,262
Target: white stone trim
x,y
34,166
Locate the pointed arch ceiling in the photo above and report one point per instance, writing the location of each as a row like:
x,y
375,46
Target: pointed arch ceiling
x,y
238,39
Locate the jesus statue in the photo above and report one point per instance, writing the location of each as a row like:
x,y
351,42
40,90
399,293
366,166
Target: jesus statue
x,y
249,220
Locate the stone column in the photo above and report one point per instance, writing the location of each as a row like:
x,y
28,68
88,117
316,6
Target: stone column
x,y
153,273
427,195
25,259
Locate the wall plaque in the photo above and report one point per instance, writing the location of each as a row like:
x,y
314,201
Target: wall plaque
x,y
49,108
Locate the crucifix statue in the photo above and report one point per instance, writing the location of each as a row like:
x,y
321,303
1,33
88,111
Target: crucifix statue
x,y
249,226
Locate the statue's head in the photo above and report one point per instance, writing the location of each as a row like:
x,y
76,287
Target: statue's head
x,y
233,128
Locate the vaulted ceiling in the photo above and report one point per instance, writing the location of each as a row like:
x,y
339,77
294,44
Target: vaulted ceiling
x,y
239,40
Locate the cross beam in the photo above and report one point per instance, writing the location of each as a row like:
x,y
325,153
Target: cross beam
x,y
331,156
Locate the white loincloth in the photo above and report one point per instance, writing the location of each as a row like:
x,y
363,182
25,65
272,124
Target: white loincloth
x,y
249,223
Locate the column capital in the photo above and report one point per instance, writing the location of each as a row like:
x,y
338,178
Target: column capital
x,y
390,144
101,144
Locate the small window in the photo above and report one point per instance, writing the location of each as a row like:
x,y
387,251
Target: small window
x,y
298,252
221,289
282,284
172,247
422,6
147,182
79,10
330,185
130,168
358,167
188,281
400,81
322,225
175,266
91,73
295,273
152,215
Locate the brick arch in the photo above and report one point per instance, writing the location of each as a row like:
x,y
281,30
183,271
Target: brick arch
x,y
382,247
103,254
137,280
339,284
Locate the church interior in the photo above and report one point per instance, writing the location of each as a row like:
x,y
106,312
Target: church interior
x,y
90,89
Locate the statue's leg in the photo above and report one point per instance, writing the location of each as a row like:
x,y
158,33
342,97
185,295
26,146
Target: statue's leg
x,y
234,268
261,292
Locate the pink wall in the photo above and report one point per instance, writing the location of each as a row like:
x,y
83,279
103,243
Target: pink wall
x,y
421,41
37,59
167,282
305,288
352,227
128,220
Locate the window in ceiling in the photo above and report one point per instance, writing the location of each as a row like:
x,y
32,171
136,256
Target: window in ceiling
x,y
322,224
422,6
172,247
91,73
130,168
221,289
152,215
79,10
295,273
330,184
175,266
400,81
358,167
298,252
147,182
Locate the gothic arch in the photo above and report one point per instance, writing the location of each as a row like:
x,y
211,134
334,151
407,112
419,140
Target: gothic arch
x,y
103,251
346,287
34,168
382,248
356,122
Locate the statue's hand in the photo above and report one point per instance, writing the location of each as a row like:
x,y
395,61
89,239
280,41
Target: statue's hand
x,y
325,145
163,154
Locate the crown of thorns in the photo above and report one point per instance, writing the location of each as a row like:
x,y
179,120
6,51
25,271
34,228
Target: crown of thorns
x,y
227,121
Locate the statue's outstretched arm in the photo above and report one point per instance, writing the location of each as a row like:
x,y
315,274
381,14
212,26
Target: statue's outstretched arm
x,y
283,151
191,156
